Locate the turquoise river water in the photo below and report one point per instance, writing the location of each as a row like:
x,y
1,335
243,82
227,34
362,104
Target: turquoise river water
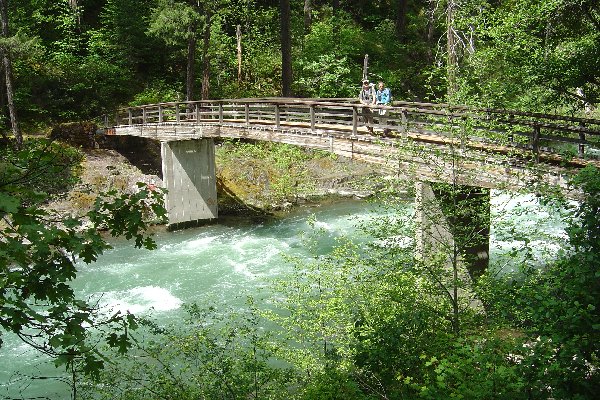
x,y
223,262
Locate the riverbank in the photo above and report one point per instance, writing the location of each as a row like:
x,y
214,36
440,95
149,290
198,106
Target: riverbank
x,y
253,178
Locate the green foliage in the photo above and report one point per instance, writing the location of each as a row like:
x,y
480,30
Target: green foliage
x,y
328,76
365,320
556,307
156,92
533,54
355,314
272,173
333,385
41,166
39,252
171,21
476,367
208,354
76,62
324,70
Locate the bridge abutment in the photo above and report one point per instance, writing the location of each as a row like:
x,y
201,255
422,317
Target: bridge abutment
x,y
453,226
188,168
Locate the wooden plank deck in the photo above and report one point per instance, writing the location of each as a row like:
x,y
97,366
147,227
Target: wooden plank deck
x,y
493,148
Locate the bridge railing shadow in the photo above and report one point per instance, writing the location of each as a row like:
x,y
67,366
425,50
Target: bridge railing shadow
x,y
433,122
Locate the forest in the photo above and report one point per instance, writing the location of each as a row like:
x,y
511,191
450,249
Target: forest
x,y
364,322
78,59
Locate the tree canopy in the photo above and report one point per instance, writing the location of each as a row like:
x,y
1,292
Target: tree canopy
x,y
79,59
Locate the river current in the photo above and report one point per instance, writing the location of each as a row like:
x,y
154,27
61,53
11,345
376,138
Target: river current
x,y
222,263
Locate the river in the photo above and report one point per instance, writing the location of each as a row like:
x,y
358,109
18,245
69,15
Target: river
x,y
222,263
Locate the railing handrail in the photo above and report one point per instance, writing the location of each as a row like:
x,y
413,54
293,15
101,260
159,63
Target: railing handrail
x,y
522,137
399,104
547,120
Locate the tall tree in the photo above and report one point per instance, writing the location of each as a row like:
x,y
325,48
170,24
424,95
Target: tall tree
x,y
431,5
8,73
238,35
177,21
335,5
530,54
451,49
205,55
190,76
400,22
307,15
286,49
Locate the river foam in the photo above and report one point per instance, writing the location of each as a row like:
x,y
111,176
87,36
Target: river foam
x,y
139,300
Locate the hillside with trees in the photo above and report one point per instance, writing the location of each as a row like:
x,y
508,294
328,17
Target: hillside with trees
x,y
77,59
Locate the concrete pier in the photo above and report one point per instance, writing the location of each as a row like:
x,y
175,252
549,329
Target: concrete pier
x,y
188,168
453,226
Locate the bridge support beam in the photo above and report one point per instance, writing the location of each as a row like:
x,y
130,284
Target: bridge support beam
x,y
453,226
189,176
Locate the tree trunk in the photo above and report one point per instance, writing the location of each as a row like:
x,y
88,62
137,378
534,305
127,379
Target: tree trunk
x,y
7,64
286,49
239,52
335,5
430,29
73,4
400,23
205,57
307,16
452,57
191,64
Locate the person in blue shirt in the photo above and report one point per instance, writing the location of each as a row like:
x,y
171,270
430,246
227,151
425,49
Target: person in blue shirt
x,y
384,98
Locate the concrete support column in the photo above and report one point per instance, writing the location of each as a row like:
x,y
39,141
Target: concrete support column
x,y
189,176
453,223
432,232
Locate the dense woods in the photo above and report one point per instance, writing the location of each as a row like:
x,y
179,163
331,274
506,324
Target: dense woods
x,y
69,60
363,322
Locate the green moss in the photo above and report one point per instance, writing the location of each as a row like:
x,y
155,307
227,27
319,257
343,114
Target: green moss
x,y
82,201
266,174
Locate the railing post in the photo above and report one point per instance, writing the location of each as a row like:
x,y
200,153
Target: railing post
x,y
354,121
463,136
177,117
277,117
312,118
129,116
582,145
220,112
536,142
197,109
404,124
144,116
247,113
511,137
161,115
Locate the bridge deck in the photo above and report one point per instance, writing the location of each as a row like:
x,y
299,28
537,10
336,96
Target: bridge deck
x,y
482,149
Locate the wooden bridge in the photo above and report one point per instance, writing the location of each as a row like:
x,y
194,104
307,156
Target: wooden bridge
x,y
428,142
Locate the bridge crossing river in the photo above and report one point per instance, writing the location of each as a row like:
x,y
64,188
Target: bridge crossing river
x,y
429,142
473,149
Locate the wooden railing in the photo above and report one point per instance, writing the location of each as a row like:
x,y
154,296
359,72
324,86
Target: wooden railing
x,y
575,137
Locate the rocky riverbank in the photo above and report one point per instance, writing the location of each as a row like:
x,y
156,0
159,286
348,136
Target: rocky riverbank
x,y
251,177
